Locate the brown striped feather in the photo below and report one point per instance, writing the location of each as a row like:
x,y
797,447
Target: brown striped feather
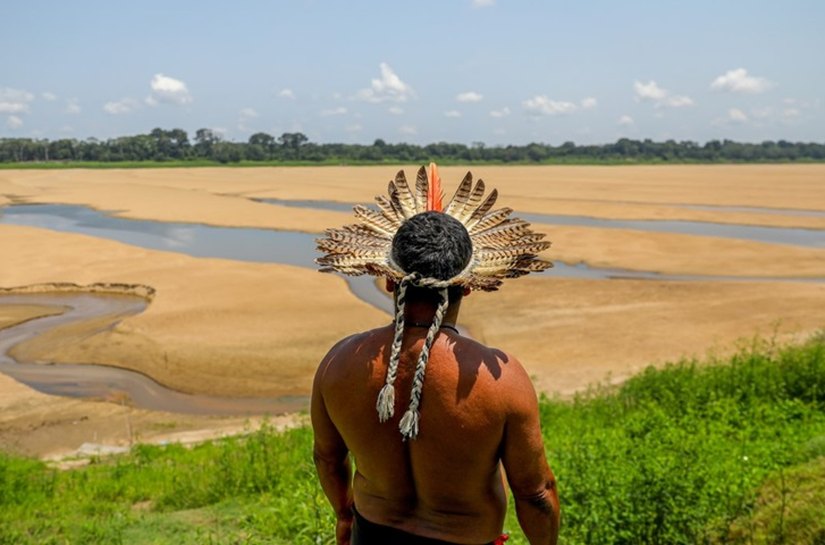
x,y
422,188
508,228
473,201
462,192
481,210
374,219
404,197
389,210
361,228
514,249
359,237
491,219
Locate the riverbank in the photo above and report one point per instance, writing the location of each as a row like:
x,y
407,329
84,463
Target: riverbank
x,y
11,315
225,327
713,452
221,196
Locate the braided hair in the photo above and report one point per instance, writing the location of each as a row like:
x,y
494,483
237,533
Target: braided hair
x,y
431,247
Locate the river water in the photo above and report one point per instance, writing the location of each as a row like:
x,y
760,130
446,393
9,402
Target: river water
x,y
794,236
258,245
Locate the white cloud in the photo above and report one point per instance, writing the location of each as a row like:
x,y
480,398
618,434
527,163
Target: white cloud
x,y
340,110
504,112
396,110
625,121
483,3
72,106
651,92
452,113
50,97
119,107
168,90
738,81
589,103
678,101
14,122
248,113
791,113
389,87
13,107
407,129
469,96
14,101
286,93
354,128
541,104
735,115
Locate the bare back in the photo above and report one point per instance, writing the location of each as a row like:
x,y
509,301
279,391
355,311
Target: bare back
x,y
446,483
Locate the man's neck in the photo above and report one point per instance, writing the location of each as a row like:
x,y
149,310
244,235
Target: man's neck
x,y
423,313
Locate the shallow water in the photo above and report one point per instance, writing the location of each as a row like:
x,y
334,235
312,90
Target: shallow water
x,y
335,206
241,243
775,235
793,236
268,245
756,210
105,382
245,244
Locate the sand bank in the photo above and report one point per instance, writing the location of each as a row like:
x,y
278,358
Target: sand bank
x,y
17,314
231,328
219,196
570,333
214,326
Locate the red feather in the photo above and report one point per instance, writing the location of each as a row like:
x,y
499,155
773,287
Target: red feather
x,y
434,195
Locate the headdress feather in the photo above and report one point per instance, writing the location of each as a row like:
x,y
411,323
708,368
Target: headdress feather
x,y
502,247
434,195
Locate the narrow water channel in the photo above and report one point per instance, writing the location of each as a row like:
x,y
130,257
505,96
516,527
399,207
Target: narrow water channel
x,y
295,248
793,236
245,244
106,382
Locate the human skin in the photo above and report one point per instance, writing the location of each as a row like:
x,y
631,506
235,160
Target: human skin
x,y
479,415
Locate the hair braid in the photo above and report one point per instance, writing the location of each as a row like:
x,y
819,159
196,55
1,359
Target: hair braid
x,y
386,397
409,422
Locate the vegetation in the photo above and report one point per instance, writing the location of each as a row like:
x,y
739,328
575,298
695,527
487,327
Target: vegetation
x,y
173,147
717,452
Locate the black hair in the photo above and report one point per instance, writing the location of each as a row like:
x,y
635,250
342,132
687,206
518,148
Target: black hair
x,y
435,245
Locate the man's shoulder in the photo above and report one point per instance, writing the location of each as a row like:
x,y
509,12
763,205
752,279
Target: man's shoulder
x,y
503,366
355,343
351,351
471,345
359,338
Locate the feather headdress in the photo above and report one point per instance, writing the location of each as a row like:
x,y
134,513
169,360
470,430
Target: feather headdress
x,y
502,247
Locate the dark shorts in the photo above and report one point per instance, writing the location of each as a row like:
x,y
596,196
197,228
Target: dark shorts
x,y
365,532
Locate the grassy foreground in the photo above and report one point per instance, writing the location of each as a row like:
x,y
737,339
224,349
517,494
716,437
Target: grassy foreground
x,y
718,452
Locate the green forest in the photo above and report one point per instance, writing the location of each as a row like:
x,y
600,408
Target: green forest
x,y
207,146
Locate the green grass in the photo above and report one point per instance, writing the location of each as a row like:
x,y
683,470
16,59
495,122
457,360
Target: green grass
x,y
713,452
789,508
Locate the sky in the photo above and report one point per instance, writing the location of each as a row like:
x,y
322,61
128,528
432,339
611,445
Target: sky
x,y
468,71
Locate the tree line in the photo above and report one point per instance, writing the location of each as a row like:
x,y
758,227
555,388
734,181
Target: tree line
x,y
174,145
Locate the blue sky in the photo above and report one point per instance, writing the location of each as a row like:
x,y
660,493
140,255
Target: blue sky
x,y
492,71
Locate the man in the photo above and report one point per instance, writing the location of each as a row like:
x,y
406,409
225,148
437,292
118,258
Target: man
x,y
440,480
